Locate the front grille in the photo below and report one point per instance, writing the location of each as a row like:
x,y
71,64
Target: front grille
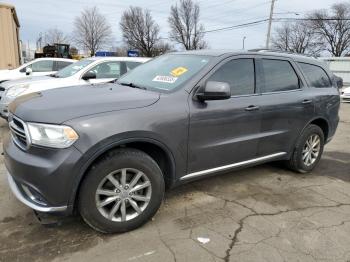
x,y
19,132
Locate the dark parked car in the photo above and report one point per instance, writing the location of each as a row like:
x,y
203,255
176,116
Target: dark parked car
x,y
109,151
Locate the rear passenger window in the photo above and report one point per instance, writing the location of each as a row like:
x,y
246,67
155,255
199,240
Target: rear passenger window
x,y
279,76
316,76
239,74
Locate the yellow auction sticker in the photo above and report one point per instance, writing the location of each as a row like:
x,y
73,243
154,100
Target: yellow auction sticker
x,y
178,71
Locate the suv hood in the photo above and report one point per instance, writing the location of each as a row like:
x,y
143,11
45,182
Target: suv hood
x,y
59,105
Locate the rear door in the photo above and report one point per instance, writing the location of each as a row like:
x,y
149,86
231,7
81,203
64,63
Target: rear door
x,y
224,132
326,95
286,105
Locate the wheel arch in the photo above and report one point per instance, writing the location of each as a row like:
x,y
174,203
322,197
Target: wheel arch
x,y
319,121
156,149
323,124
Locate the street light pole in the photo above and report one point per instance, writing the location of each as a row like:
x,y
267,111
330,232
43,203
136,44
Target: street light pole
x,y
244,38
270,24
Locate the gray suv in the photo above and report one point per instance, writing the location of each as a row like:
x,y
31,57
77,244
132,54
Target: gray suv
x,y
109,151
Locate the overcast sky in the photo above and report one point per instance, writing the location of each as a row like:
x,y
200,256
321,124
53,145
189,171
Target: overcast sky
x,y
40,15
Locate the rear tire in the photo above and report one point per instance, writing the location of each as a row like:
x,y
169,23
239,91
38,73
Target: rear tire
x,y
308,150
132,185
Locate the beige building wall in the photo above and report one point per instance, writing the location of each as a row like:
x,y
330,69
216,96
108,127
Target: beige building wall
x,y
10,54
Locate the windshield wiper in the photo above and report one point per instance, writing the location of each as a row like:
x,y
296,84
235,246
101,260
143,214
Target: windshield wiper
x,y
133,85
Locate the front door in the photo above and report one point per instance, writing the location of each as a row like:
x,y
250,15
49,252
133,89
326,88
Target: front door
x,y
225,132
106,72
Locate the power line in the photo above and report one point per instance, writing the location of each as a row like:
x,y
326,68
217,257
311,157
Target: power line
x,y
310,19
238,26
240,11
258,22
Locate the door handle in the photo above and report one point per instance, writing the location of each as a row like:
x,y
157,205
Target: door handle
x,y
251,108
307,101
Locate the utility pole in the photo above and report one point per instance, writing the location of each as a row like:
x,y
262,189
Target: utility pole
x,y
270,24
244,38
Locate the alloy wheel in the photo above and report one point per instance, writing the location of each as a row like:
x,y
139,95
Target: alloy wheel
x,y
123,194
311,149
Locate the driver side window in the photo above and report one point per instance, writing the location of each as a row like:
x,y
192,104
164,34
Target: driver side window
x,y
42,66
107,70
239,74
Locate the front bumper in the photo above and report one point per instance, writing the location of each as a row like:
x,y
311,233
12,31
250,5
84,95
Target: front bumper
x,y
44,179
24,195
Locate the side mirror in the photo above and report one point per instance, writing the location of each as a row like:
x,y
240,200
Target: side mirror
x,y
29,71
214,90
89,75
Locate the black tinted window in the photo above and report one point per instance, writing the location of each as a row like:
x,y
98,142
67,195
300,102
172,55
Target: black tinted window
x,y
239,73
316,76
279,76
61,64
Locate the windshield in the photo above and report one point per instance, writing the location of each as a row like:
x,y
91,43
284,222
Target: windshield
x,y
166,72
73,68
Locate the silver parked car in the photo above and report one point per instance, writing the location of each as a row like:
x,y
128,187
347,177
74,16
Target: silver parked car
x,y
93,70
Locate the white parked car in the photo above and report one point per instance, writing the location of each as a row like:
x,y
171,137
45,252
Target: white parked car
x,y
87,71
345,94
36,67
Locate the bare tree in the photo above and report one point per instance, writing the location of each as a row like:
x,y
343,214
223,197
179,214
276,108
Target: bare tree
x,y
91,30
297,37
121,51
162,48
333,28
185,27
140,31
55,36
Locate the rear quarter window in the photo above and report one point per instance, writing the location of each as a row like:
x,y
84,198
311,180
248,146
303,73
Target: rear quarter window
x,y
315,75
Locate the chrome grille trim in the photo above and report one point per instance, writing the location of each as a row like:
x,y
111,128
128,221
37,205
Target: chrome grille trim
x,y
20,135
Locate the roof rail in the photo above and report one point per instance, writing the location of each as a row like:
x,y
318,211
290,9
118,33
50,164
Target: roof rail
x,y
277,51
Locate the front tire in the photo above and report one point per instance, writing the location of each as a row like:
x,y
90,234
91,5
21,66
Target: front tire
x,y
121,192
308,150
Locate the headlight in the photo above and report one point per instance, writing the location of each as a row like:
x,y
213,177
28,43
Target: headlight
x,y
56,136
15,91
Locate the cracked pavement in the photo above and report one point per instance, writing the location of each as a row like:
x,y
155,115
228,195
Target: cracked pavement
x,y
264,213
